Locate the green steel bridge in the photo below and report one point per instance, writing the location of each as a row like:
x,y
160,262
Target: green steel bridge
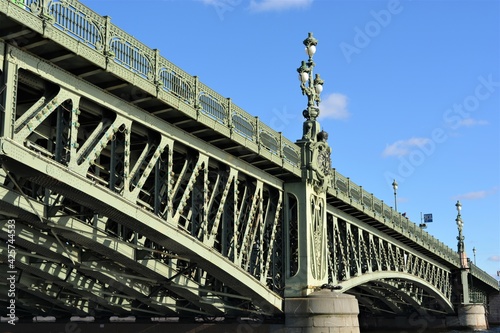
x,y
136,191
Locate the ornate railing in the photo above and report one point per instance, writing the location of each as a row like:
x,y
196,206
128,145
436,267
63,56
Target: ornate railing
x,y
477,297
344,188
123,50
483,276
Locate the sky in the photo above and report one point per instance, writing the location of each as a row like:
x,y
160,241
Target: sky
x,y
411,92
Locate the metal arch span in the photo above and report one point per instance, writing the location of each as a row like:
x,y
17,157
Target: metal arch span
x,y
167,235
362,258
412,293
118,275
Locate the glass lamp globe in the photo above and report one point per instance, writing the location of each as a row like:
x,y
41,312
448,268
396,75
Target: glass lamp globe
x,y
310,50
303,77
319,88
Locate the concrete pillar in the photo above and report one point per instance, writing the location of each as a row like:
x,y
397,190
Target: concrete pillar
x,y
472,316
494,309
322,311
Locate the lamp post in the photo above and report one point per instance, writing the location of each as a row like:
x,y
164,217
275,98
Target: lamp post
x,y
474,251
395,187
464,265
312,88
310,229
460,224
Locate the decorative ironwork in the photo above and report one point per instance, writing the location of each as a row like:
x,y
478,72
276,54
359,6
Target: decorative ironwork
x,y
293,227
77,24
269,142
213,108
243,126
131,57
355,251
318,238
83,25
175,84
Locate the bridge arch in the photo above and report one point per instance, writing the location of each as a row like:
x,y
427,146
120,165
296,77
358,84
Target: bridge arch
x,y
414,291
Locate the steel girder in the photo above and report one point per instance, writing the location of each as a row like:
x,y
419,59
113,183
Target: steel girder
x,y
361,259
129,184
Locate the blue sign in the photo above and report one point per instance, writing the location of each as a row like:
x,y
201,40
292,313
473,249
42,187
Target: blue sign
x,y
427,218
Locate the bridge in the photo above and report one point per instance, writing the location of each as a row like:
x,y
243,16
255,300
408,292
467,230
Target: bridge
x,y
132,192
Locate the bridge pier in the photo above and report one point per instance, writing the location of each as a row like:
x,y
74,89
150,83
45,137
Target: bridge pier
x,y
322,311
472,316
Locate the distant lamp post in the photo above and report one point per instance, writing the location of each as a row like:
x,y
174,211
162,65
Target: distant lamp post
x,y
395,187
474,251
460,225
464,261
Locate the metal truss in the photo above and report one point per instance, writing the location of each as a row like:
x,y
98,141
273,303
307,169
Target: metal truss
x,y
162,222
379,269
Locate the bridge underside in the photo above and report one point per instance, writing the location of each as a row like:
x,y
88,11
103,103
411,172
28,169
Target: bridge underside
x,y
398,297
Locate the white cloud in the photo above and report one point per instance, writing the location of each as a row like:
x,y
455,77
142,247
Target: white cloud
x,y
477,194
473,195
334,106
494,258
210,2
277,5
404,147
469,122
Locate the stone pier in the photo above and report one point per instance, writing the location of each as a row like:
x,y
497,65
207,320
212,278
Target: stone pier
x,y
323,311
472,316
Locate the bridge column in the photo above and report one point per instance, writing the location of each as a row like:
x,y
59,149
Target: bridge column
x,y
311,305
307,245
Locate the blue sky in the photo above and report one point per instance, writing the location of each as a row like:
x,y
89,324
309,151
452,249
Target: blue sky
x,y
412,90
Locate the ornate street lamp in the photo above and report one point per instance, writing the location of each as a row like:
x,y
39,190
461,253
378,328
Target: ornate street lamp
x,y
395,187
464,261
460,224
312,88
474,251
